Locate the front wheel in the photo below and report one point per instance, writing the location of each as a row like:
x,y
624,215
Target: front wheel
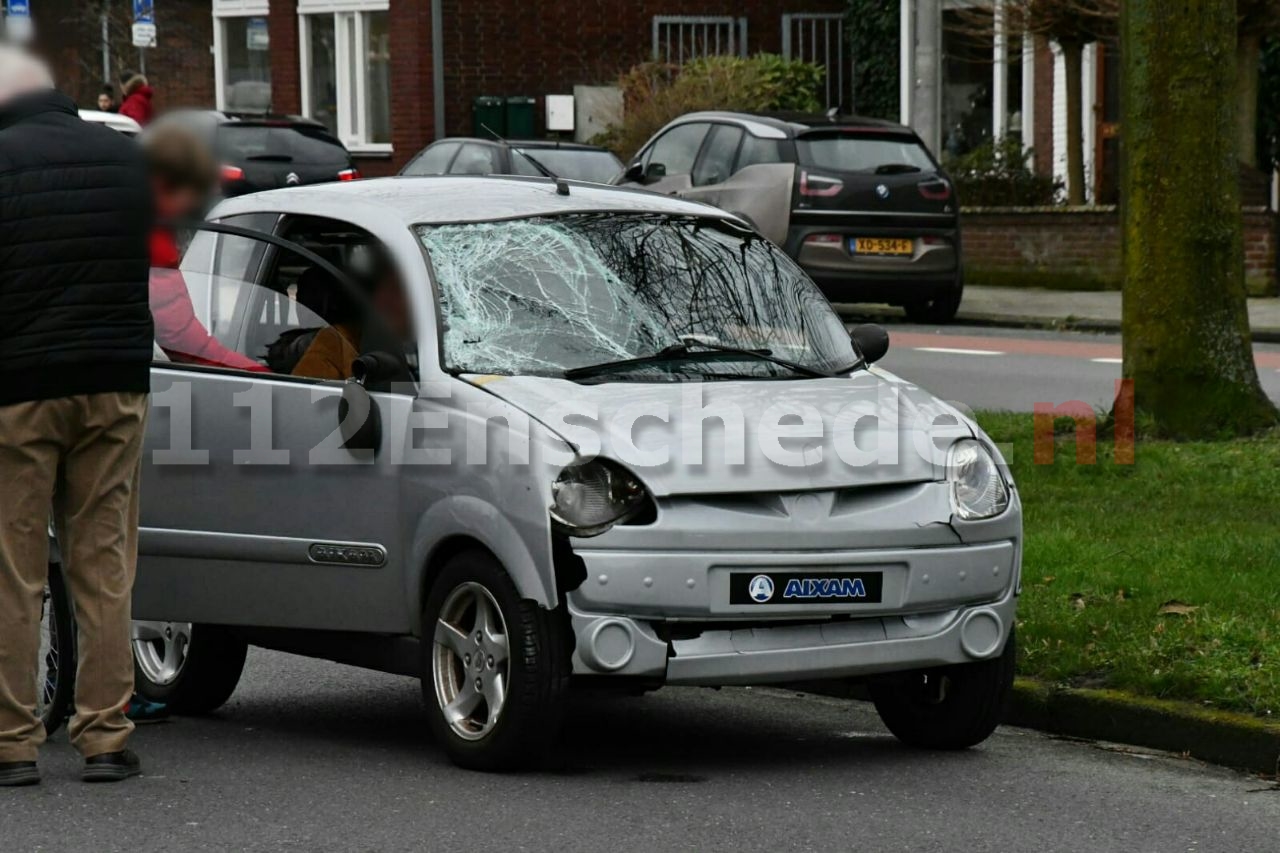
x,y
953,707
495,668
193,669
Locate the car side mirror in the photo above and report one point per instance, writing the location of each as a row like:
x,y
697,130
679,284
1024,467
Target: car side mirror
x,y
359,418
634,173
655,172
871,341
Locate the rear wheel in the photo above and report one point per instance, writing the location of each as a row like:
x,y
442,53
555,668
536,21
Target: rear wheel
x,y
496,667
193,669
941,308
56,679
952,707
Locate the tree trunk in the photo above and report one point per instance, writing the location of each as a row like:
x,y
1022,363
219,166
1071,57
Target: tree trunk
x,y
1073,66
1186,328
1249,62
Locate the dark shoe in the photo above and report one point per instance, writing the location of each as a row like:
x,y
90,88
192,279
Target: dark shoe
x,y
112,767
15,774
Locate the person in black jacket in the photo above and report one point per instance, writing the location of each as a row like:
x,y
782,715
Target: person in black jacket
x,y
75,353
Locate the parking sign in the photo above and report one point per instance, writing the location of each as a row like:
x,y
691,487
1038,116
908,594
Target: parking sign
x,y
17,20
144,23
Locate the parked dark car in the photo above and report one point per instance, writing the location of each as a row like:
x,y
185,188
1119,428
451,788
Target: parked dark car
x,y
463,156
860,203
268,152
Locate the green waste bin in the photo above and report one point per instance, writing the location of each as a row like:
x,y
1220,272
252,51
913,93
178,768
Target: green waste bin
x,y
521,112
489,112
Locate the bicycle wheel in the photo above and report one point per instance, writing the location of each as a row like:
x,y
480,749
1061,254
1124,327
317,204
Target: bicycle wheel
x,y
55,689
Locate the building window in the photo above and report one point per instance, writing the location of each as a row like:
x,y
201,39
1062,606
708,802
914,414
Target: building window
x,y
242,56
346,72
986,79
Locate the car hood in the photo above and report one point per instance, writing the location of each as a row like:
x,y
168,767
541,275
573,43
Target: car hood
x,y
654,429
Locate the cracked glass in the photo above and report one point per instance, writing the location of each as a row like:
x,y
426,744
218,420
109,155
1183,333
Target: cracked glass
x,y
542,296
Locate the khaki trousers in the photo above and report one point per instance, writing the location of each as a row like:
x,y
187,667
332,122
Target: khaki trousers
x,y
82,456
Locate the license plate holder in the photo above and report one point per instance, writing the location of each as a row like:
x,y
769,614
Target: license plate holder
x,y
884,246
813,588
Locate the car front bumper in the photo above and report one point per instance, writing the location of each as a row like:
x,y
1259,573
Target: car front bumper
x,y
941,606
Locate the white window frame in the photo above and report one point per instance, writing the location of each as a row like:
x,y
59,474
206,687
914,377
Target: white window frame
x,y
349,28
222,10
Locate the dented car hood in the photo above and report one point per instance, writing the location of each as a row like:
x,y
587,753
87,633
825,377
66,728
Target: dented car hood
x,y
756,436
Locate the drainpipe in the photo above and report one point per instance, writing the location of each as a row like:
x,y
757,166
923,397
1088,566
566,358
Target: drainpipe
x,y
926,107
906,59
437,65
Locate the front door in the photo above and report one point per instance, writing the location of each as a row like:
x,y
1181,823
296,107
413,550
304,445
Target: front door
x,y
253,513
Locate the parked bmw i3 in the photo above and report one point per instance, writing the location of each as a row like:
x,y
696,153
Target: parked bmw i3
x,y
514,436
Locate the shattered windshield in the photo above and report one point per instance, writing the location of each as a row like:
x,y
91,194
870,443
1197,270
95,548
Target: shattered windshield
x,y
548,295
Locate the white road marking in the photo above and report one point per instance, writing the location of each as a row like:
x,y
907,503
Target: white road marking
x,y
950,351
1107,360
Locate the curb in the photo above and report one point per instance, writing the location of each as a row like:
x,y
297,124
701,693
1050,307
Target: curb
x,y
1263,335
1217,737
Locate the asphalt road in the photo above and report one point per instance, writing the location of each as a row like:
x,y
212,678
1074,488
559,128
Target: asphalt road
x,y
1012,370
316,756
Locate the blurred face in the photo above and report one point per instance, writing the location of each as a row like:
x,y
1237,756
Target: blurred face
x,y
173,202
104,102
392,304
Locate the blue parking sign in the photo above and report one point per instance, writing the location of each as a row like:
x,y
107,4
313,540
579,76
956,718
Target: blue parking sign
x,y
18,9
144,11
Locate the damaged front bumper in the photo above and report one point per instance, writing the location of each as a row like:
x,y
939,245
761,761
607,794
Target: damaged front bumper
x,y
949,597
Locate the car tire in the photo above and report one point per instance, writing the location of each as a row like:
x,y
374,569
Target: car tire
x,y
461,674
206,678
940,309
948,708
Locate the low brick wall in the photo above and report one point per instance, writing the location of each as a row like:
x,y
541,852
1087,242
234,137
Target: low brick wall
x,y
1079,248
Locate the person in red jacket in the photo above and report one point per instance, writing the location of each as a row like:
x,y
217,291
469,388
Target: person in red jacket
x,y
183,175
137,100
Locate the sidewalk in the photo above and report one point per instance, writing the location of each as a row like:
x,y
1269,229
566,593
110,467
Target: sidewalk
x,y
1062,309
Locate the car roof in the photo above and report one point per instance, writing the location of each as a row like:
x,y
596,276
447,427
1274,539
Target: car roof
x,y
561,144
250,119
112,120
437,200
790,124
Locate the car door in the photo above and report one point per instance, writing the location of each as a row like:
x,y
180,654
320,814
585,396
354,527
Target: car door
x,y
715,163
253,513
668,162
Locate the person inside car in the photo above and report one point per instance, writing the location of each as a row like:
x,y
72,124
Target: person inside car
x,y
183,176
336,346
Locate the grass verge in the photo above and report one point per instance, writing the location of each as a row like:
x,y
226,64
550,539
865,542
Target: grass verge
x,y
1160,578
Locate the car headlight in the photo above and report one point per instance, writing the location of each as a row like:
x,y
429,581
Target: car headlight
x,y
589,499
978,488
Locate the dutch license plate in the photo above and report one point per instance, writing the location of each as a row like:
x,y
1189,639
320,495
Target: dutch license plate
x,y
882,246
814,587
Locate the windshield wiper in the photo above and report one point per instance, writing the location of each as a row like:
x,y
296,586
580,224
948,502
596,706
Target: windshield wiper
x,y
687,348
270,158
897,169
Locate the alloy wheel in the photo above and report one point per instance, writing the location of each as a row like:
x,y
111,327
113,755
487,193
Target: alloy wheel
x,y
160,648
470,661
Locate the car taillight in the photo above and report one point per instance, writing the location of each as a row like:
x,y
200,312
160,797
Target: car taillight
x,y
824,239
937,190
819,186
349,175
232,173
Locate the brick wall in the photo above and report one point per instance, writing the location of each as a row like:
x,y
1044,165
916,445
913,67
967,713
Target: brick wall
x,y
180,68
1065,248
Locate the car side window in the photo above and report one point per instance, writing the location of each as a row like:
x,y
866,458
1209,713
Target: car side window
x,y
756,151
716,163
477,159
435,160
283,313
677,149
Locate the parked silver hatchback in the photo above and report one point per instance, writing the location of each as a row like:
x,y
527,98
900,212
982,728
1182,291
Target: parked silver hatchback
x,y
514,435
